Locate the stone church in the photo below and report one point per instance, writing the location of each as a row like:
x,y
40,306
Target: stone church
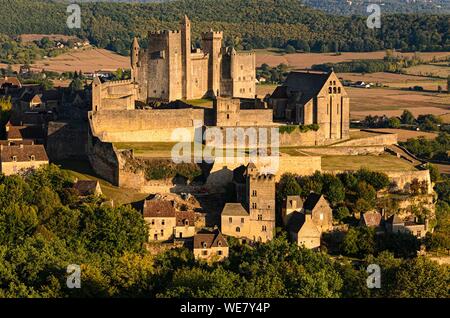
x,y
170,68
313,98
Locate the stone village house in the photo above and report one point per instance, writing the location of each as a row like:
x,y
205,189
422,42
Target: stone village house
x,y
306,221
166,223
17,158
210,246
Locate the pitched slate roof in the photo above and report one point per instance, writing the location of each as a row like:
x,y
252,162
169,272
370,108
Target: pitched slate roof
x,y
158,209
311,201
395,219
208,239
51,95
238,174
280,92
28,97
86,187
234,209
23,153
300,222
305,85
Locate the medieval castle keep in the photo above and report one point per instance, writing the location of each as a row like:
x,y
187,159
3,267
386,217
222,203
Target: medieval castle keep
x,y
170,69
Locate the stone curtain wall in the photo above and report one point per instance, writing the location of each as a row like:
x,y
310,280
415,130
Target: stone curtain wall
x,y
143,125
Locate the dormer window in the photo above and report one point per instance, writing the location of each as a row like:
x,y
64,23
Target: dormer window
x,y
186,222
32,158
14,158
204,245
219,244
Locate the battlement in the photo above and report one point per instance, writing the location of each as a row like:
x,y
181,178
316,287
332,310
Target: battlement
x,y
117,83
211,35
163,32
243,53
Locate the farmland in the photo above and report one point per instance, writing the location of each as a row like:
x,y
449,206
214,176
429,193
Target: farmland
x,y
274,57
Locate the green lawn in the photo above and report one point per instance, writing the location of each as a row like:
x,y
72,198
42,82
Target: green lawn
x,y
83,171
376,163
203,102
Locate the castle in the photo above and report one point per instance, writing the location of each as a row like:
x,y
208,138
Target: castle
x,y
170,69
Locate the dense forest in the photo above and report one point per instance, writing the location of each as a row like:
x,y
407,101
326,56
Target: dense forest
x,y
359,7
45,226
247,24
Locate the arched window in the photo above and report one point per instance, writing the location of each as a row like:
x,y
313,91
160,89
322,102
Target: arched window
x,y
238,229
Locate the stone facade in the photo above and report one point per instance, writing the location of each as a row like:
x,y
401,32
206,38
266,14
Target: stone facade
x,y
306,221
210,246
169,69
17,158
308,98
254,217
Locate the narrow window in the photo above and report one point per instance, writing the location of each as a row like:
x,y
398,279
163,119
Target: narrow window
x,y
230,220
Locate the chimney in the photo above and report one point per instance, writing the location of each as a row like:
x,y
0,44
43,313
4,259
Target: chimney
x,y
21,146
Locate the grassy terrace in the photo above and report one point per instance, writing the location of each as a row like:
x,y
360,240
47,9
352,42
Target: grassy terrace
x,y
203,102
376,163
83,171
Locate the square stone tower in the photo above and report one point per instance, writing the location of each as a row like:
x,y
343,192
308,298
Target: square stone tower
x,y
212,45
260,202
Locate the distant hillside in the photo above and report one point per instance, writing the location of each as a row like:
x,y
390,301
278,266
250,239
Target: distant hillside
x,y
247,24
359,7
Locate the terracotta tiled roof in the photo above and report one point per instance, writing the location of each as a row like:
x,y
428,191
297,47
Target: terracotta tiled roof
x,y
208,239
372,218
25,132
86,187
14,81
16,142
159,208
181,216
23,153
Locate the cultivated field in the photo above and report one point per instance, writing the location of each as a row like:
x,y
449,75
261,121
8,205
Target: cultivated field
x,y
53,37
392,102
387,101
429,70
274,57
89,60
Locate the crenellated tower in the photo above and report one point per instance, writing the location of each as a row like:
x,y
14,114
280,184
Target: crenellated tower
x,y
186,57
212,45
134,53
